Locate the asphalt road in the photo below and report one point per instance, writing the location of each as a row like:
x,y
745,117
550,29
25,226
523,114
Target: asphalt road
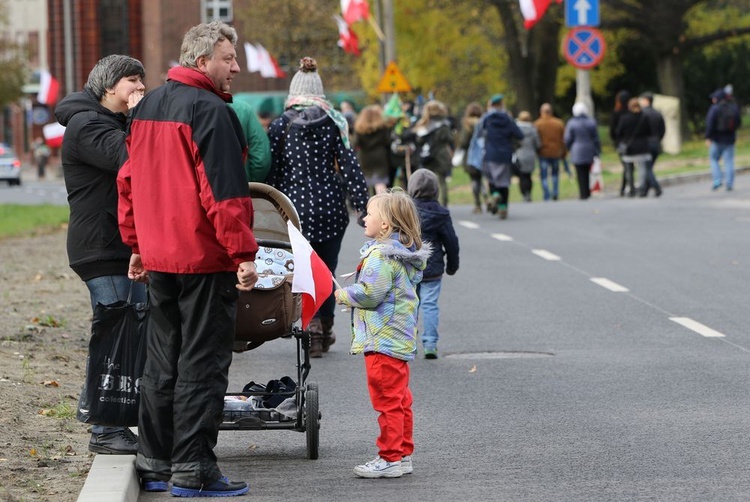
x,y
549,386
592,350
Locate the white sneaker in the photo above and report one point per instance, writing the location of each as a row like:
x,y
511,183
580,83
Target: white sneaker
x,y
406,466
379,468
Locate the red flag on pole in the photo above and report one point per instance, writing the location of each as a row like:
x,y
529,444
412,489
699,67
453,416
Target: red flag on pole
x,y
354,10
311,276
533,10
347,38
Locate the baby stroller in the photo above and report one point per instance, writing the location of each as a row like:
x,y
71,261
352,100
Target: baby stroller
x,y
268,312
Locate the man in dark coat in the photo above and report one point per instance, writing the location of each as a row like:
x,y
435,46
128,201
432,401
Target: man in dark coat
x,y
656,122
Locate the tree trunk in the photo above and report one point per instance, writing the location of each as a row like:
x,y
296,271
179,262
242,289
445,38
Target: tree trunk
x,y
671,83
532,73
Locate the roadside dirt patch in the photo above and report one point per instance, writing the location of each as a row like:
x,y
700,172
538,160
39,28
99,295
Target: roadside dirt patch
x,y
45,318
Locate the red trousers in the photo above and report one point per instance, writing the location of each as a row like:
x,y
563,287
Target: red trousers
x,y
388,383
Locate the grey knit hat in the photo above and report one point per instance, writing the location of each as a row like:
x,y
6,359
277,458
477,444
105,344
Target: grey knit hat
x,y
423,184
306,82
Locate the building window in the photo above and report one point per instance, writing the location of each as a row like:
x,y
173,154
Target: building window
x,y
217,10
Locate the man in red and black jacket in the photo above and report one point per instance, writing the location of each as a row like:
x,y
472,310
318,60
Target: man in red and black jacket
x,y
185,211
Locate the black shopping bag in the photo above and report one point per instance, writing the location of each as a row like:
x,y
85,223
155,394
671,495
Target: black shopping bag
x,y
117,354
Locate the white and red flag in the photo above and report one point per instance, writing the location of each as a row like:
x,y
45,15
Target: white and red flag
x,y
354,10
49,88
347,38
311,276
259,59
53,134
533,10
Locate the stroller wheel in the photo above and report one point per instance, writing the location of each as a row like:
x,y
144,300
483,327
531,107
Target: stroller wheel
x,y
312,420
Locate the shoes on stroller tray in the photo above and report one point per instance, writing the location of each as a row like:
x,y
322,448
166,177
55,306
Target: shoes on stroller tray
x,y
277,395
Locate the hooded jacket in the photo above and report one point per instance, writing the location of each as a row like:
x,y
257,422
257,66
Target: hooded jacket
x,y
499,131
384,298
184,201
312,166
437,226
93,144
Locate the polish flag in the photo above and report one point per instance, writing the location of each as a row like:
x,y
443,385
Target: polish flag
x,y
251,54
269,68
311,276
49,88
53,134
533,10
354,10
347,38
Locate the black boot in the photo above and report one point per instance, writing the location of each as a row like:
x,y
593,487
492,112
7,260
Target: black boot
x,y
316,337
329,337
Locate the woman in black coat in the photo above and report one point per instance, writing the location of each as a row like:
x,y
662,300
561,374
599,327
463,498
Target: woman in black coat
x,y
92,150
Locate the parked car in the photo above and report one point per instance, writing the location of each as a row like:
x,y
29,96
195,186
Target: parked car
x,y
10,166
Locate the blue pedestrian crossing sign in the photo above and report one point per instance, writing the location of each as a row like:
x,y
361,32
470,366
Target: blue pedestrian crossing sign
x,y
581,13
584,47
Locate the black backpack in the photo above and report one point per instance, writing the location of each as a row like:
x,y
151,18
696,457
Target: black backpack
x,y
726,118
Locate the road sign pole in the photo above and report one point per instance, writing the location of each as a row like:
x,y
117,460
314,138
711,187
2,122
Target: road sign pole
x,y
583,90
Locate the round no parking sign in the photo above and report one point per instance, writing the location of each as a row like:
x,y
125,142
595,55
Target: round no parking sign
x,y
584,47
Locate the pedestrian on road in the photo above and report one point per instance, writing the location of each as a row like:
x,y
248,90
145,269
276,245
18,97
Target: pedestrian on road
x,y
384,307
526,154
372,142
471,117
313,164
582,141
185,211
93,144
627,187
658,129
552,150
500,135
437,229
722,121
633,136
435,144
41,157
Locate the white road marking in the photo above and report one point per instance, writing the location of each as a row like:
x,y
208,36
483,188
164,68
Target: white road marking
x,y
606,283
502,237
699,328
468,224
541,253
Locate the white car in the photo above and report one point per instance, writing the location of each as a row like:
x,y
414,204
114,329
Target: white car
x,y
10,166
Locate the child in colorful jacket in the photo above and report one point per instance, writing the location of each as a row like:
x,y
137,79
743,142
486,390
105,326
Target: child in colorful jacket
x,y
384,323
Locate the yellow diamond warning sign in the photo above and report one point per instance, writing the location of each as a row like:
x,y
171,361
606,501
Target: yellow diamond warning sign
x,y
393,80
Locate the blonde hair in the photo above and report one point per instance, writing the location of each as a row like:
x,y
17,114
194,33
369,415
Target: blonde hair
x,y
397,210
369,120
432,109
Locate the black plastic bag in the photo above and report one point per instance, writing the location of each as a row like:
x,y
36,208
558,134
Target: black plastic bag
x,y
117,355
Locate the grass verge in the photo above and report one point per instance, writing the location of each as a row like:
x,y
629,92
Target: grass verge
x,y
21,220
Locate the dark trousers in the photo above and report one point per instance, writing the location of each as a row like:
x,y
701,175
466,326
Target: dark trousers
x,y
329,253
502,193
582,173
628,179
190,336
525,185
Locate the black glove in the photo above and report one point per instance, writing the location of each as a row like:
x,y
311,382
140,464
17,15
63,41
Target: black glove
x,y
361,218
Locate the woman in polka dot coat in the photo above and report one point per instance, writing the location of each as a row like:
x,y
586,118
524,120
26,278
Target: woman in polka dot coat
x,y
313,164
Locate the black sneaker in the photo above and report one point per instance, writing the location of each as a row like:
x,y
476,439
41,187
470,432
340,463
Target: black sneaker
x,y
222,487
121,442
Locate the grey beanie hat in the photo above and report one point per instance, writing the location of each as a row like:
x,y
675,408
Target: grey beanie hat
x,y
306,82
423,184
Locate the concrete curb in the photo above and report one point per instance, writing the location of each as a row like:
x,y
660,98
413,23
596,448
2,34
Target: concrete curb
x,y
111,478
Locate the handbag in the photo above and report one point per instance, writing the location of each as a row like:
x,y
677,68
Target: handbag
x,y
458,157
117,354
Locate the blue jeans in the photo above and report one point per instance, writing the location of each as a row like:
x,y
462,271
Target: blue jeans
x,y
429,293
109,289
554,166
726,152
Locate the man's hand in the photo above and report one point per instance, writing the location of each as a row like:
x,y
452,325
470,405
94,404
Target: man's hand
x,y
247,276
136,272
